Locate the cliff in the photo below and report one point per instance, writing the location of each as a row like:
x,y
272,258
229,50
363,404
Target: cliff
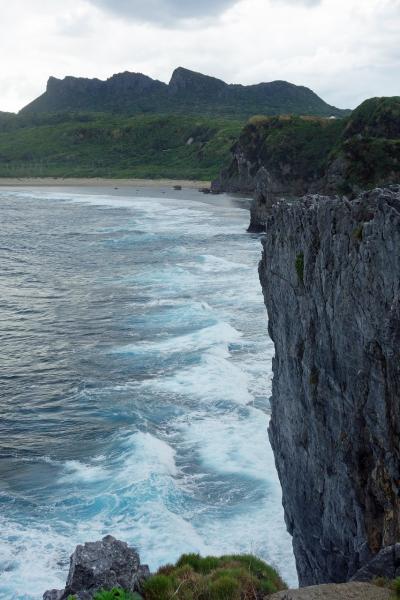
x,y
330,274
291,156
187,92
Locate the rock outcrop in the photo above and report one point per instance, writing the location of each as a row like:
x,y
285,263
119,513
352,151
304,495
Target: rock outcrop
x,y
330,273
101,565
187,91
283,157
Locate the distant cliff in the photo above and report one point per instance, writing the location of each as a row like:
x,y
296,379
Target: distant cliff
x,y
290,156
187,92
330,274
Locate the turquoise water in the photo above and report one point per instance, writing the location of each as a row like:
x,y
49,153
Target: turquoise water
x,y
134,382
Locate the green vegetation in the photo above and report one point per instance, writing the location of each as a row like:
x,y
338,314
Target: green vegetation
x,y
115,594
370,144
187,93
354,153
235,577
299,265
396,587
293,148
358,233
104,145
340,155
231,577
314,376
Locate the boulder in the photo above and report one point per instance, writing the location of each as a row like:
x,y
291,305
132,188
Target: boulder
x,y
106,564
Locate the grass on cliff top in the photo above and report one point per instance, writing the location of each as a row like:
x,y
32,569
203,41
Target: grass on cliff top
x,y
232,577
393,586
115,146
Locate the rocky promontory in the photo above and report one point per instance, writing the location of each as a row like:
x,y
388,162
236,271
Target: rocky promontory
x,y
289,156
330,273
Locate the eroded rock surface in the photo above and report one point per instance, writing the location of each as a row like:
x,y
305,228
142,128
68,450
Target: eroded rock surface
x,y
345,591
330,274
101,565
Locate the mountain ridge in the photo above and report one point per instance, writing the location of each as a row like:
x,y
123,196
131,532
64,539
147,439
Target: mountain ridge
x,y
187,91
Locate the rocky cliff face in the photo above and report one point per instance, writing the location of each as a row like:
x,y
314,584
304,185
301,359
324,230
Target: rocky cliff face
x,y
281,157
330,274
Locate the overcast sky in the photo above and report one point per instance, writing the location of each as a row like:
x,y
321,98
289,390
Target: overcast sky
x,y
345,50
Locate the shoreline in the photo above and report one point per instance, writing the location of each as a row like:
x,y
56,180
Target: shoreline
x,y
100,182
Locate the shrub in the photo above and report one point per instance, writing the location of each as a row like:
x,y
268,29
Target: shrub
x,y
358,233
225,588
159,587
116,594
231,577
314,376
199,564
299,264
396,587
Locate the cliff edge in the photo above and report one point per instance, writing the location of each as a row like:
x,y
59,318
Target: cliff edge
x,y
289,156
330,274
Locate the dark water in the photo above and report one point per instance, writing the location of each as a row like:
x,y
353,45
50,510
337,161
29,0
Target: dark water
x,y
135,372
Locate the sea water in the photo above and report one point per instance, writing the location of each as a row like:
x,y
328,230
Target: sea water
x,y
135,372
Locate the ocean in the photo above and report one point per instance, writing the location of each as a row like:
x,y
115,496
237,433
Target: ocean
x,y
135,373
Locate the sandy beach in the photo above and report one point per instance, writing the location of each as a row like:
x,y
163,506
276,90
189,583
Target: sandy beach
x,y
100,182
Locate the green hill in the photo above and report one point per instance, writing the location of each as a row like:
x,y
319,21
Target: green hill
x,y
134,126
104,145
188,92
369,148
297,155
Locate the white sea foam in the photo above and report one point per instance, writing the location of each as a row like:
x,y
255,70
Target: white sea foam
x,y
214,264
231,443
29,560
145,456
78,472
202,339
215,379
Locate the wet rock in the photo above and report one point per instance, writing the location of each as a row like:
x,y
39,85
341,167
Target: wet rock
x,y
53,595
101,565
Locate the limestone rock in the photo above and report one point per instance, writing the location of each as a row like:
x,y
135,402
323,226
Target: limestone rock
x,y
346,591
330,274
101,565
384,564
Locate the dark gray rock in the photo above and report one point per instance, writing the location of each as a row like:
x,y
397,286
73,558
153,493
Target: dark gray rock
x,y
330,274
102,565
53,595
384,564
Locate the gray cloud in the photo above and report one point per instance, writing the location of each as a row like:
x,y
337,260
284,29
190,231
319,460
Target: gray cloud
x,y
298,2
165,11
